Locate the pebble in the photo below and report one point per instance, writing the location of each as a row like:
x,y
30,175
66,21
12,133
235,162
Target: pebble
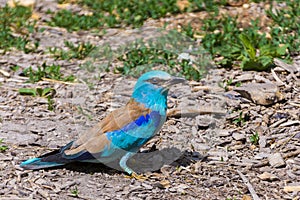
x,y
266,176
276,160
238,136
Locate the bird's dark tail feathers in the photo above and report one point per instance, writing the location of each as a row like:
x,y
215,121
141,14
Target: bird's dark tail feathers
x,y
37,163
52,159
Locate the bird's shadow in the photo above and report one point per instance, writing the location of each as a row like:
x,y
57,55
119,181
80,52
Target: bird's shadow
x,y
141,162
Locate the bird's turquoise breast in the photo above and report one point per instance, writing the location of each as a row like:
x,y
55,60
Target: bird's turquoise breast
x,y
135,134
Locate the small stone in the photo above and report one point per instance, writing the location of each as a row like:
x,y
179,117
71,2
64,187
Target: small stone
x,y
276,160
261,155
243,77
292,188
238,136
204,122
147,186
262,142
163,184
203,147
246,5
237,147
4,73
260,93
252,147
223,133
266,176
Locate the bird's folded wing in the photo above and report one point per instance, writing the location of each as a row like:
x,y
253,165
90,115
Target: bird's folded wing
x,y
95,140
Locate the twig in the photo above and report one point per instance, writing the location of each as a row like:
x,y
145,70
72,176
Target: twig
x,y
57,81
291,154
248,184
277,78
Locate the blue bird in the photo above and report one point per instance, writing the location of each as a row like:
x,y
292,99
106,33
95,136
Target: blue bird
x,y
121,133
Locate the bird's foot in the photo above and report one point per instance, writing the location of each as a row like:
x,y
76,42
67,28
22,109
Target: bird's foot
x,y
136,176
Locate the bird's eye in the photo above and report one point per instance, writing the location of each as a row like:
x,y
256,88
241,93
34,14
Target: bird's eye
x,y
154,80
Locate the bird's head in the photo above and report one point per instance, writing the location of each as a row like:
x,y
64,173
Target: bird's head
x,y
152,87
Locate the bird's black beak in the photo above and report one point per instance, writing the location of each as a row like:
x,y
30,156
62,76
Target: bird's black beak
x,y
173,81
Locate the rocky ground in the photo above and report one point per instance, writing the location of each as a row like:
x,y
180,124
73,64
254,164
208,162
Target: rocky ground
x,y
207,149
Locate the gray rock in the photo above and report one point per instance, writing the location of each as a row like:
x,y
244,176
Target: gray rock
x,y
276,160
238,136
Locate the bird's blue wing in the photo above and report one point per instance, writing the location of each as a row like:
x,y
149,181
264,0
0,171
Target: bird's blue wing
x,y
135,134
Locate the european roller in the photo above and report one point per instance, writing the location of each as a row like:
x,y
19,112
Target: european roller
x,y
121,133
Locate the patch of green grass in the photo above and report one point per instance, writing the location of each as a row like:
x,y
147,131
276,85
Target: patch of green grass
x,y
2,147
74,22
47,93
50,103
37,92
219,39
286,25
75,191
172,52
254,138
15,26
15,68
188,30
79,51
46,71
263,61
106,13
224,39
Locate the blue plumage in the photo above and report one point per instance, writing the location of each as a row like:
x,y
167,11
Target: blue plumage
x,y
123,132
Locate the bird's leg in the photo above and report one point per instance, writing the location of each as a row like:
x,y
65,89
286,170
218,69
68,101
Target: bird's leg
x,y
123,162
123,165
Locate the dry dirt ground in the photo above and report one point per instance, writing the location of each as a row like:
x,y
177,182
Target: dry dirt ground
x,y
199,153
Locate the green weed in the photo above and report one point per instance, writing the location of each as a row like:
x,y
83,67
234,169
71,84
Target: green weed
x,y
108,13
263,61
75,191
142,58
79,51
171,51
47,93
15,26
188,30
37,92
46,71
286,26
74,22
254,138
241,119
2,147
253,51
